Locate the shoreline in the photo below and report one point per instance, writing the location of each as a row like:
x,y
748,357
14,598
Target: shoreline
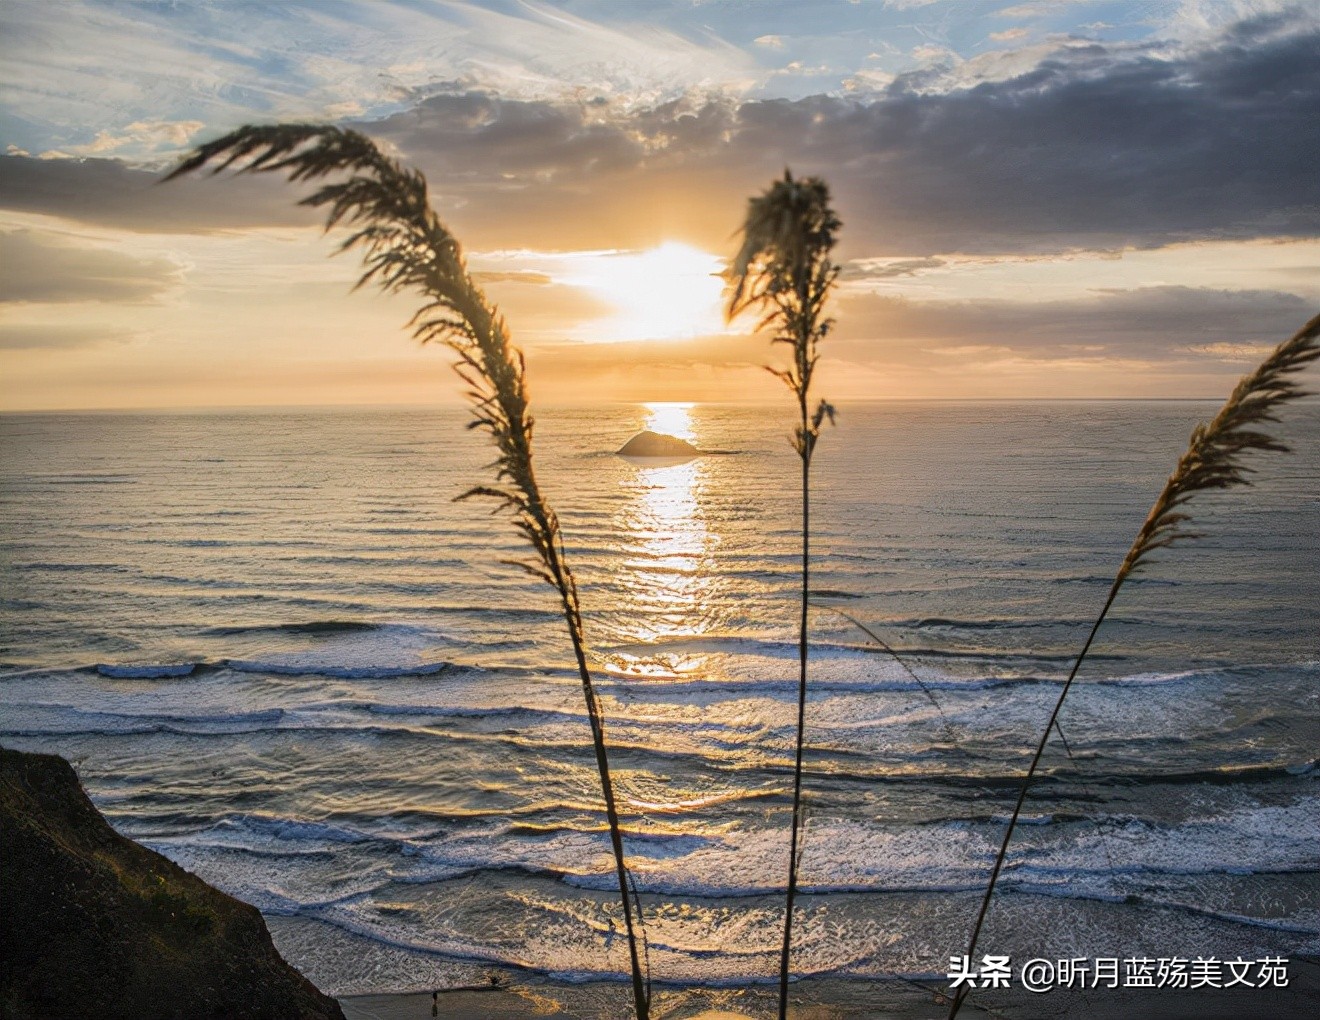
x,y
841,998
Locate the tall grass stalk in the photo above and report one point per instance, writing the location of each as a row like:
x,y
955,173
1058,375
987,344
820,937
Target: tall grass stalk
x,y
1213,460
406,247
783,268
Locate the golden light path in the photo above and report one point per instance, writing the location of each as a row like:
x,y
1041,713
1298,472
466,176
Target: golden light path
x,y
668,549
670,620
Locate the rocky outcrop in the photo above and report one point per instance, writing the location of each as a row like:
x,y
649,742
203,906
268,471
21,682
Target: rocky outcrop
x,y
94,925
657,444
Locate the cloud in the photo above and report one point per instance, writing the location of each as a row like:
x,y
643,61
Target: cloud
x,y
75,73
143,136
928,53
107,192
886,269
1091,147
486,277
1009,34
46,271
17,337
1030,9
1232,352
1149,323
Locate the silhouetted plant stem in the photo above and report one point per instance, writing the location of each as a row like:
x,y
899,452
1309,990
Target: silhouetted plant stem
x,y
1212,461
1002,855
784,266
407,247
573,618
793,854
903,664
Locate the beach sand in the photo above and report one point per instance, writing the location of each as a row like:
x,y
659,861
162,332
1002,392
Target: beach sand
x,y
811,1000
834,999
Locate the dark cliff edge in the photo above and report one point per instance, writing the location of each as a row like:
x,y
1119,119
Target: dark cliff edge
x,y
94,925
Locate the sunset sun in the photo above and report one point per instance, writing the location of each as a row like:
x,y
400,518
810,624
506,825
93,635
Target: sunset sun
x,y
671,292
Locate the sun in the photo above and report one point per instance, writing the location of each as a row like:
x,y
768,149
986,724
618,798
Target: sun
x,y
670,292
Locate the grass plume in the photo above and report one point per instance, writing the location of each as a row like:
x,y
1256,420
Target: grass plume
x,y
1214,459
784,269
405,247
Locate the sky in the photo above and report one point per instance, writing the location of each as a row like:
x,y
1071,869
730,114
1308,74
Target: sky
x,y
1040,199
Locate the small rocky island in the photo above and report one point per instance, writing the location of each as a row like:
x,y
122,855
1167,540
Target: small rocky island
x,y
98,926
656,444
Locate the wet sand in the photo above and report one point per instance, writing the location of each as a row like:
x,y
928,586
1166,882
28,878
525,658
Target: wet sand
x,y
810,1000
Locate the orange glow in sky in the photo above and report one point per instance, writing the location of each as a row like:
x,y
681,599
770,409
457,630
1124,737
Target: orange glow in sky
x,y
1161,234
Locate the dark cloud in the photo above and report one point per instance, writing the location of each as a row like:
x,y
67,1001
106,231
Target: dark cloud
x,y
108,193
1154,323
1097,146
481,137
1094,147
43,271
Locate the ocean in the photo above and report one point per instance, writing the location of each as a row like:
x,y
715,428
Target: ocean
x,y
279,653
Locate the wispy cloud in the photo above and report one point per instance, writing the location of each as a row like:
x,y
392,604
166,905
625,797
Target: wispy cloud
x,y
48,336
44,270
92,77
142,137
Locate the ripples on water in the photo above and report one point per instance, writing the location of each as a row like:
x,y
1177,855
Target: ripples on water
x,y
279,654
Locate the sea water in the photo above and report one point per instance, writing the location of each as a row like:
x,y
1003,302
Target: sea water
x,y
279,653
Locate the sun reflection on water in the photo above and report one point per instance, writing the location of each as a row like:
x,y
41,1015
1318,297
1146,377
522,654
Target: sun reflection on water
x,y
667,571
670,418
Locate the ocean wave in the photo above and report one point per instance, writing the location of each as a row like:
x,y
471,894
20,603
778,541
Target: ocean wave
x,y
266,829
80,478
1087,861
825,651
302,627
290,666
146,670
294,667
940,622
50,566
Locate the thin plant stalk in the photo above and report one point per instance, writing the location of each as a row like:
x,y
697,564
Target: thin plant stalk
x,y
903,664
406,247
1213,460
784,268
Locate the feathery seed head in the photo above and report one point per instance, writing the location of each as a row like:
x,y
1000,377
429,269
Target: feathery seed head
x,y
405,247
1214,456
783,267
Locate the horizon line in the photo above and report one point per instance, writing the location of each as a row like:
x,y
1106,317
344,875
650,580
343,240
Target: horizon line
x,y
182,409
